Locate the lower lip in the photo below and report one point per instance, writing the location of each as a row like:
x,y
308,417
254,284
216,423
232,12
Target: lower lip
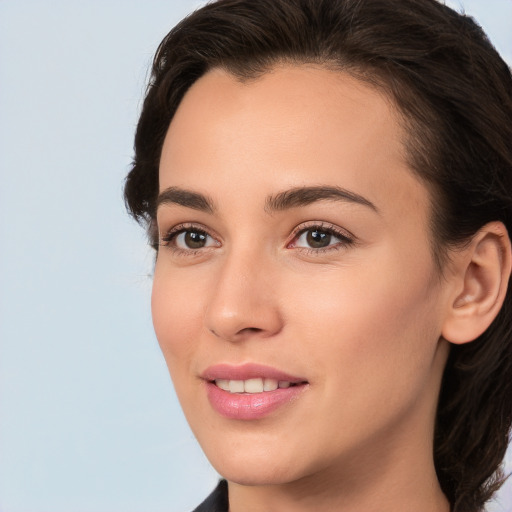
x,y
250,406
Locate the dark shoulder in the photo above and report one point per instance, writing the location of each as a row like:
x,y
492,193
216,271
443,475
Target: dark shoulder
x,y
217,501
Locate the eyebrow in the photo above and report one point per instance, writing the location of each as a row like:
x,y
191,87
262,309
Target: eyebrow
x,y
187,198
303,196
292,198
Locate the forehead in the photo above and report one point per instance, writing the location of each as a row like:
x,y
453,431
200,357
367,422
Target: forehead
x,y
293,126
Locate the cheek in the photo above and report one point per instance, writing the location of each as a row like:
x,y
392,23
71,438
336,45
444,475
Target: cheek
x,y
377,320
176,310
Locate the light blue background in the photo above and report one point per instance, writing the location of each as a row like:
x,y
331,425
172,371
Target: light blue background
x,y
88,418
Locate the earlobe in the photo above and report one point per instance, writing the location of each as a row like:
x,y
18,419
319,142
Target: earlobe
x,y
484,272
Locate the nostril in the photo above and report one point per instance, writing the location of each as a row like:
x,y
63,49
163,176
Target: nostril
x,y
248,331
247,321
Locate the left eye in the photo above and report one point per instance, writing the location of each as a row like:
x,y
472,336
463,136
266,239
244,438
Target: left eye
x,y
318,238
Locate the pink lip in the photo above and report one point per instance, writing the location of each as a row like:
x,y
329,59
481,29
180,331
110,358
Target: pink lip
x,y
249,406
247,371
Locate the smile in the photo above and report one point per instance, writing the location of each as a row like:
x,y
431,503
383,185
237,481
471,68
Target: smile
x,y
258,385
250,391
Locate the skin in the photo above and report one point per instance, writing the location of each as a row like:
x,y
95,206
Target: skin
x,y
361,321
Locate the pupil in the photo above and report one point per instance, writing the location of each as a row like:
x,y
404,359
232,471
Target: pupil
x,y
195,239
318,239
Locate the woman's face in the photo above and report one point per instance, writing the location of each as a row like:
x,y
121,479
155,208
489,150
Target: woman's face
x,y
295,254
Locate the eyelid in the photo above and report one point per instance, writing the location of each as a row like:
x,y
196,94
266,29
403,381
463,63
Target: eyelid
x,y
169,235
345,236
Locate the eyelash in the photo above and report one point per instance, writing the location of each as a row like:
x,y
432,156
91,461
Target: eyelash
x,y
346,239
168,240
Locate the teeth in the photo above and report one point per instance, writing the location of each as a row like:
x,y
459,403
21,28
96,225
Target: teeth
x,y
223,384
251,385
236,386
269,385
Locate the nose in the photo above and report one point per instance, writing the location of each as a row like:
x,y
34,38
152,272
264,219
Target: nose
x,y
243,303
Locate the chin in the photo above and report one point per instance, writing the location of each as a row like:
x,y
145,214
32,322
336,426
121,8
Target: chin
x,y
255,467
255,475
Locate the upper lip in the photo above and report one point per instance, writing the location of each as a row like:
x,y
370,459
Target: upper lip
x,y
247,371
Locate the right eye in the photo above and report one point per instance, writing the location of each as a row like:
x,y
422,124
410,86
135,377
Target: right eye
x,y
188,239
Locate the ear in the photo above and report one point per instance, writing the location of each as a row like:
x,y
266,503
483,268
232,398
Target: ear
x,y
481,278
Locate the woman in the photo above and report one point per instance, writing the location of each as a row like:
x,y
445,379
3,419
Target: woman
x,y
328,187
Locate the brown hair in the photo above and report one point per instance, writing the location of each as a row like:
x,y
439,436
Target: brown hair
x,y
454,94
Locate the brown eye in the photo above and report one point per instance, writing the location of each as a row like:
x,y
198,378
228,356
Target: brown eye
x,y
193,239
320,237
317,239
189,239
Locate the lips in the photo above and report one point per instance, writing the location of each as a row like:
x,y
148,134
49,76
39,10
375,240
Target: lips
x,y
247,371
250,391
